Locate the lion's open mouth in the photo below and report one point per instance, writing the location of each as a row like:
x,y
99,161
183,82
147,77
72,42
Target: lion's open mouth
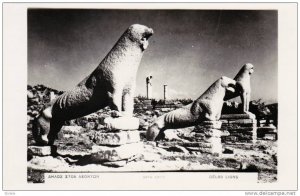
x,y
251,71
231,87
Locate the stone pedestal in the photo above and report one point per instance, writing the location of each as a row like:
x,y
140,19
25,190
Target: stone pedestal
x,y
208,137
242,128
119,144
122,123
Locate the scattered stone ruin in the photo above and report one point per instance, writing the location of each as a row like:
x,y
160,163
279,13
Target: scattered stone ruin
x,y
241,127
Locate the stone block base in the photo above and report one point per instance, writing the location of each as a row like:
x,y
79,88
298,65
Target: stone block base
x,y
208,137
238,116
242,128
123,152
210,124
39,150
122,123
117,138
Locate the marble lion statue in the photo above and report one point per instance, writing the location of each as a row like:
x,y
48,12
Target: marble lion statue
x,y
112,84
207,107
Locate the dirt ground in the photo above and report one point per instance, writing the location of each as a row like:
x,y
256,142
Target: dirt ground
x,y
72,155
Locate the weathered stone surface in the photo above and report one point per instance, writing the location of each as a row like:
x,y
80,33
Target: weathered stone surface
x,y
241,121
148,112
71,129
238,116
122,123
147,101
73,140
237,125
242,134
216,146
212,143
270,136
196,144
213,133
105,153
115,163
178,148
99,127
211,124
90,125
119,138
151,157
200,149
239,139
266,129
242,127
225,133
246,130
40,150
199,135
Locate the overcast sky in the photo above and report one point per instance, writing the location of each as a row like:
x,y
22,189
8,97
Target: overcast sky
x,y
188,51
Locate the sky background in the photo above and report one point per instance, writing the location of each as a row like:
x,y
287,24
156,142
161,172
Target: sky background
x,y
190,49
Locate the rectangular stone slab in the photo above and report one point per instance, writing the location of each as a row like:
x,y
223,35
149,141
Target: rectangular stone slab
x,y
242,121
211,124
224,125
241,129
119,138
105,153
237,116
123,123
196,144
40,150
266,130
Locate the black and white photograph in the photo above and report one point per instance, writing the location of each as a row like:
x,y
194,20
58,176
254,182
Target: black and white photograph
x,y
152,91
177,90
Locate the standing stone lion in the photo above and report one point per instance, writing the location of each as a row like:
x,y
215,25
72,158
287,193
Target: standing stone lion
x,y
243,87
207,107
112,84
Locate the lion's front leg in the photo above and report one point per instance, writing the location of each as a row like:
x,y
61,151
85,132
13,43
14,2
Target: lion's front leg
x,y
116,101
127,101
244,98
248,102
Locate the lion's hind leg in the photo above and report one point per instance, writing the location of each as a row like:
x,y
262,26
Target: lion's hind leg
x,y
55,126
154,131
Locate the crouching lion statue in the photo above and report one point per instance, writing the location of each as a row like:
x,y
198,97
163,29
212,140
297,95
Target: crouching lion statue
x,y
112,84
207,107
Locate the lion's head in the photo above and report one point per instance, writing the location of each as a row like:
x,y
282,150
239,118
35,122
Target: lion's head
x,y
248,67
228,83
140,34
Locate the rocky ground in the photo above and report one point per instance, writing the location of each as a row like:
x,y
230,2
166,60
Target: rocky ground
x,y
73,147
